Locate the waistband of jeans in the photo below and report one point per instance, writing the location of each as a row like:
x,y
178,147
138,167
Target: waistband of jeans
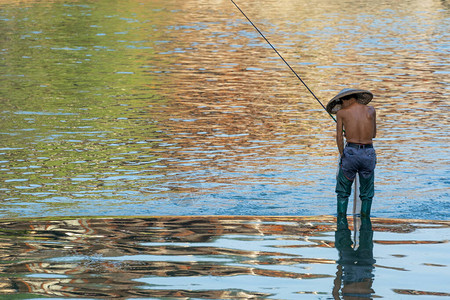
x,y
359,146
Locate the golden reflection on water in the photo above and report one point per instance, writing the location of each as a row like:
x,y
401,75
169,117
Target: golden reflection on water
x,y
246,94
183,256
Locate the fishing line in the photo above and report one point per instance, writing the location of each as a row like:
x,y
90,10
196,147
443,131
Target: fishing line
x,y
295,73
283,60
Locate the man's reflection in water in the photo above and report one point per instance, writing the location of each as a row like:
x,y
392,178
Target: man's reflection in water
x,y
354,277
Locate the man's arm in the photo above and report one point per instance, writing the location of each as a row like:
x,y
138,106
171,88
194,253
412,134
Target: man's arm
x,y
340,133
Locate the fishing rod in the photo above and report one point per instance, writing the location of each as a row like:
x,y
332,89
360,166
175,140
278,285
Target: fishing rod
x,y
283,59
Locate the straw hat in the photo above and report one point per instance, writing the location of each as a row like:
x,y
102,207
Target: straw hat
x,y
362,96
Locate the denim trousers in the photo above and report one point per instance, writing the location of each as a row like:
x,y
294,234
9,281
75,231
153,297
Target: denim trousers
x,y
354,161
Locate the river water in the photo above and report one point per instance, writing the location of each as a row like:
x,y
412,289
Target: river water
x,y
198,257
179,108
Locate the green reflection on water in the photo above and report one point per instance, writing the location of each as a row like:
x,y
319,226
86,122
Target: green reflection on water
x,y
70,97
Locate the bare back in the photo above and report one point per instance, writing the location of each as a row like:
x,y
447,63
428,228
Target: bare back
x,y
359,123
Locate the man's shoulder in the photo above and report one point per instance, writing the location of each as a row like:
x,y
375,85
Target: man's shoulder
x,y
371,109
340,113
343,111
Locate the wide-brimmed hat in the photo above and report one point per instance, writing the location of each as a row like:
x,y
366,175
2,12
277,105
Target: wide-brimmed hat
x,y
362,96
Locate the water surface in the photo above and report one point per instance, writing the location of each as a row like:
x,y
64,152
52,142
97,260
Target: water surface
x,y
179,107
223,258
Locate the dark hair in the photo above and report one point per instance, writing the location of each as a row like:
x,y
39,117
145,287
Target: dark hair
x,y
348,97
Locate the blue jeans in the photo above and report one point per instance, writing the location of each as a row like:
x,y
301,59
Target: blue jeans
x,y
361,160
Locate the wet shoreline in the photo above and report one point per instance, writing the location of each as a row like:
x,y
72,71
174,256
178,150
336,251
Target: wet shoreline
x,y
221,257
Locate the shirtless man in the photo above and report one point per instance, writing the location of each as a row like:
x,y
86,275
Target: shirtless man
x,y
357,121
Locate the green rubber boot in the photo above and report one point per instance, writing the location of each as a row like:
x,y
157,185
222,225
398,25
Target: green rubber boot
x,y
343,191
366,193
342,204
365,208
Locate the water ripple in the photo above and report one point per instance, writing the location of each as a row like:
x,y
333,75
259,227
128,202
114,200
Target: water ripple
x,y
159,104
